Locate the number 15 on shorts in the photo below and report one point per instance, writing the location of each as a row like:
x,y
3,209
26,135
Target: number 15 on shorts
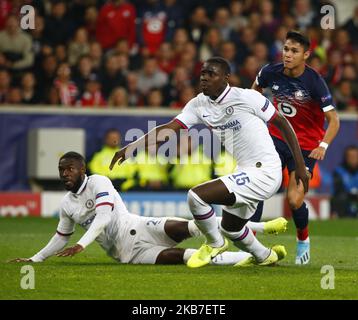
x,y
240,178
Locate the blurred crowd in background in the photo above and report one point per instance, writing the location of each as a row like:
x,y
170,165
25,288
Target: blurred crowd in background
x,y
149,171
148,53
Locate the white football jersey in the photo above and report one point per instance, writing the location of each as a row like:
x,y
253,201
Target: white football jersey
x,y
238,118
80,208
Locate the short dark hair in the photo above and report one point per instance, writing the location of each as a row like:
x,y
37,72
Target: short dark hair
x,y
75,156
349,148
345,153
223,63
110,130
300,38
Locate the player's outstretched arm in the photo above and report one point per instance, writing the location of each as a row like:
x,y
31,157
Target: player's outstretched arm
x,y
153,137
331,132
290,137
102,219
57,243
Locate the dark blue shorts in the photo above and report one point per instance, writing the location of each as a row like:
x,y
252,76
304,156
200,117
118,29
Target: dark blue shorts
x,y
287,159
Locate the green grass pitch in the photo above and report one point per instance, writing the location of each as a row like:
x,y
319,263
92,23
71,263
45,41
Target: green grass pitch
x,y
93,275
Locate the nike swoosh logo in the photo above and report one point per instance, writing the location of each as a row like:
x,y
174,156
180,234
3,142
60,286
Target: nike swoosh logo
x,y
206,115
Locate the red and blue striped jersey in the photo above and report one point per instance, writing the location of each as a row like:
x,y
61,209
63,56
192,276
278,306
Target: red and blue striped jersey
x,y
303,100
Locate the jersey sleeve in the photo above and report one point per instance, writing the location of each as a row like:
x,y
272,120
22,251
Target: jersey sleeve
x,y
104,195
66,225
262,77
189,117
260,105
323,95
103,191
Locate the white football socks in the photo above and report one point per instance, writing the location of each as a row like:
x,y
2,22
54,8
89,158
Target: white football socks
x,y
205,219
225,258
245,240
256,226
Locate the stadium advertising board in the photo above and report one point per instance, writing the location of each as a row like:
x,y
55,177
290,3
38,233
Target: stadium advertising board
x,y
148,204
20,204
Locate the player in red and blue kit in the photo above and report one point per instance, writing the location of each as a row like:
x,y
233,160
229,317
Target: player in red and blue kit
x,y
302,95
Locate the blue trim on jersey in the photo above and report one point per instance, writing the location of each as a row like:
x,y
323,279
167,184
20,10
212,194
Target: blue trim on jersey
x,y
102,194
264,108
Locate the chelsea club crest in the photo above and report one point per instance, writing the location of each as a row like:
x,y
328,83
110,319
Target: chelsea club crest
x,y
89,204
229,110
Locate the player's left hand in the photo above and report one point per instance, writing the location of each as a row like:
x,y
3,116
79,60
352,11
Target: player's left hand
x,y
318,153
71,251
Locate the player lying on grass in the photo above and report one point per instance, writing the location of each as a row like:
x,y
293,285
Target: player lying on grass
x,y
93,203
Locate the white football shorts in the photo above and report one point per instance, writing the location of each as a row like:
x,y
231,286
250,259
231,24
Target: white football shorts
x,y
151,240
251,185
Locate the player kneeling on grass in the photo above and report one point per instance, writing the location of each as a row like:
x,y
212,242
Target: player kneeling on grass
x,y
93,203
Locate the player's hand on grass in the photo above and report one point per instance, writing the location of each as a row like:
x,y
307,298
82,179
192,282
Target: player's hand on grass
x,y
303,176
20,260
71,251
119,157
318,153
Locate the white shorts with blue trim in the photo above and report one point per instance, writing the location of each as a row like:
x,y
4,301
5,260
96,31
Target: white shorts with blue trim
x,y
251,185
151,240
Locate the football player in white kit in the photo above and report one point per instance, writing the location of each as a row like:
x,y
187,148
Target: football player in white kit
x,y
240,116
93,203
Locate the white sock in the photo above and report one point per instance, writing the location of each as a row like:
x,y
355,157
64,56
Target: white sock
x,y
307,240
245,240
223,259
187,254
193,229
256,226
205,219
229,258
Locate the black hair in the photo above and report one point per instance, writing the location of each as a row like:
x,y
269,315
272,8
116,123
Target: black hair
x,y
110,130
75,156
345,154
223,63
349,148
300,38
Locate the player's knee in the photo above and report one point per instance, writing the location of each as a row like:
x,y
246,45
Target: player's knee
x,y
177,230
195,203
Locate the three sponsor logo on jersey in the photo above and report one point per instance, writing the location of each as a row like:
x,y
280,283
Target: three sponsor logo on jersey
x,y
234,125
88,221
